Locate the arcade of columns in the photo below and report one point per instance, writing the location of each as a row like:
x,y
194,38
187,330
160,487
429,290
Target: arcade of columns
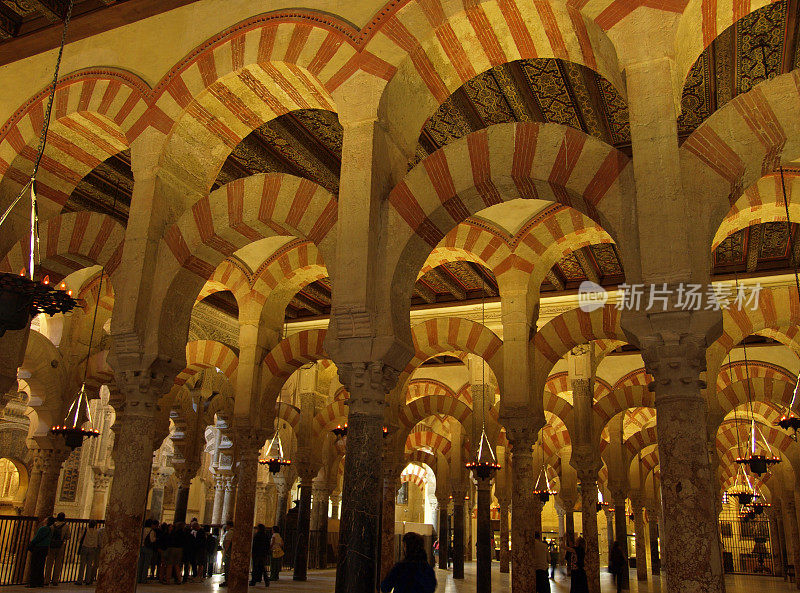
x,y
641,406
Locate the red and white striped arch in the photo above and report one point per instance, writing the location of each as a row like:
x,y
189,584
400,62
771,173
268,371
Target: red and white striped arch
x,y
433,47
643,438
289,355
703,21
621,399
289,414
228,275
562,333
71,242
764,411
729,444
738,371
244,77
287,272
434,336
205,354
471,240
741,142
439,405
430,439
424,387
419,456
331,416
635,377
90,293
96,114
414,474
760,203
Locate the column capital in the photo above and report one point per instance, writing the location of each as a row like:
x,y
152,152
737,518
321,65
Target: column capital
x,y
247,439
102,480
367,383
185,473
159,478
521,427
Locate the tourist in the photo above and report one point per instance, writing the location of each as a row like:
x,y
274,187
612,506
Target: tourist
x,y
618,565
39,548
188,544
173,555
146,550
276,553
541,562
580,583
259,555
200,553
58,546
413,574
553,559
212,546
88,551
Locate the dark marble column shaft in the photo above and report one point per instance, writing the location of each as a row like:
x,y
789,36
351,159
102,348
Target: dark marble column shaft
x,y
775,545
655,560
51,470
484,537
181,503
621,531
303,526
641,542
792,537
504,553
588,480
444,535
458,535
523,516
390,487
248,442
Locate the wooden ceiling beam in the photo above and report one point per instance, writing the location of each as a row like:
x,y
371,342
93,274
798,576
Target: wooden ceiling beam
x,y
303,302
754,240
555,280
52,10
589,268
9,22
424,292
451,285
477,275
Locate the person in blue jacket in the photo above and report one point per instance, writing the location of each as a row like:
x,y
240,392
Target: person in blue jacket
x,y
39,547
413,574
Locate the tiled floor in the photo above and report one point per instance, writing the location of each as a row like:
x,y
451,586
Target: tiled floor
x,y
323,581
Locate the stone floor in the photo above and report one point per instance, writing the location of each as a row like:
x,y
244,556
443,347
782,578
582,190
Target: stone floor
x,y
323,581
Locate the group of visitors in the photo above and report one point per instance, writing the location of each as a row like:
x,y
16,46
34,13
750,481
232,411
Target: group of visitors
x,y
49,545
267,555
176,552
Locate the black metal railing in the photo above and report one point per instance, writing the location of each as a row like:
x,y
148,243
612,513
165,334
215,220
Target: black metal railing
x,y
15,534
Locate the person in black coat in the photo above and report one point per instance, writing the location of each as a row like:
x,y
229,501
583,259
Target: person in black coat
x,y
413,574
259,555
618,564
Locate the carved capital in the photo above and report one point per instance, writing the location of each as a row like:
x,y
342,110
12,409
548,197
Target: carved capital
x,y
159,479
102,480
522,428
248,440
676,362
367,383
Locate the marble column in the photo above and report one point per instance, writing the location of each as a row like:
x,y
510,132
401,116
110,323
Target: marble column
x,y
538,505
504,555
219,499
652,523
484,536
335,500
621,530
588,481
159,481
320,525
248,441
52,459
444,535
391,483
569,519
523,513
136,431
692,555
283,505
184,476
101,483
458,533
778,512
609,530
303,526
774,544
367,384
469,542
229,498
792,538
34,482
641,540
208,508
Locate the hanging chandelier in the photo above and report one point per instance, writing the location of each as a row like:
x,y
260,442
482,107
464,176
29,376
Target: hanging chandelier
x,y
22,297
759,463
742,489
273,462
485,463
340,430
73,429
543,487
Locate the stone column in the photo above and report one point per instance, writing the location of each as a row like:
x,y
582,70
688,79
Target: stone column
x,y
774,544
283,489
569,517
655,560
458,533
523,510
102,481
674,352
469,542
335,500
184,476
303,525
208,508
367,385
621,529
484,534
504,555
588,481
391,483
778,512
37,467
792,538
52,459
219,499
609,530
320,516
444,535
136,431
248,440
229,498
641,541
159,481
